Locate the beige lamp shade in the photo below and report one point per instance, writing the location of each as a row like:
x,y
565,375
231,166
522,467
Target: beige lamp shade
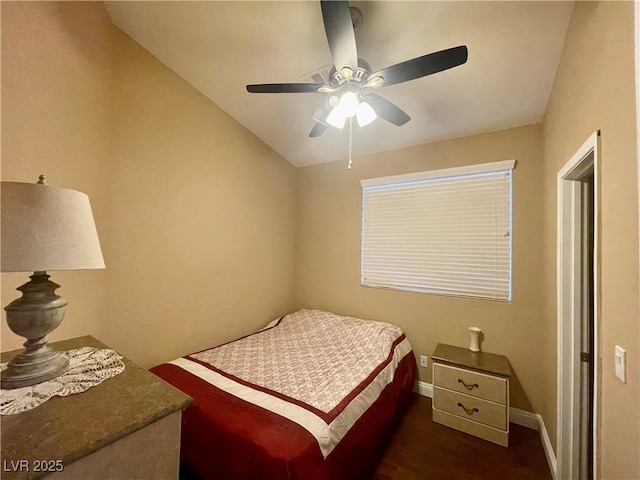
x,y
44,227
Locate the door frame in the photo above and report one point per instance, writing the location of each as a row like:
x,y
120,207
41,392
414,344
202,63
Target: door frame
x,y
569,303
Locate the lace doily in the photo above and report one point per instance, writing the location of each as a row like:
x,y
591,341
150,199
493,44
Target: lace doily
x,y
88,367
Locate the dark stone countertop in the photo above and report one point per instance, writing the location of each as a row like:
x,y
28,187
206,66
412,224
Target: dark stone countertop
x,y
70,428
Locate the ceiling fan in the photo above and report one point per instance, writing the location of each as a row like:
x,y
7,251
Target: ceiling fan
x,y
351,79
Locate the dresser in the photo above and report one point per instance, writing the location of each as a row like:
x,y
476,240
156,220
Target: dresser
x,y
126,427
471,392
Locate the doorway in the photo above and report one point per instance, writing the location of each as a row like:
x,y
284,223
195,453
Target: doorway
x,y
578,319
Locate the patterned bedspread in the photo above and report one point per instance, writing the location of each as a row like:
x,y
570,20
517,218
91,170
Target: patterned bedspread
x,y
293,357
307,378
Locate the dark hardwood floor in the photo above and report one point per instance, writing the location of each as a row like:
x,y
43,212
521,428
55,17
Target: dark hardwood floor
x,y
423,449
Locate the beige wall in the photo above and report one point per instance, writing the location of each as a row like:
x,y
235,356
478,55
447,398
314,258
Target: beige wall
x,y
328,254
56,102
202,218
594,89
196,216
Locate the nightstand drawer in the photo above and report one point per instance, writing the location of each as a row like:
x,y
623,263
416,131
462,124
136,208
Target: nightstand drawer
x,y
471,408
471,383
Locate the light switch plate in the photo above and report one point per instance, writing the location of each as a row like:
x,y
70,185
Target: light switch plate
x,y
621,363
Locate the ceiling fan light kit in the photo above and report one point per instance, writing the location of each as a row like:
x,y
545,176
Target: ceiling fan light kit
x,y
351,79
350,106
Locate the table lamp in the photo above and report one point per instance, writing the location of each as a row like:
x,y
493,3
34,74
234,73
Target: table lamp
x,y
42,228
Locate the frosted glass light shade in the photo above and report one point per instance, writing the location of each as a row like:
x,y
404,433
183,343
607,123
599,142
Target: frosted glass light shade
x,y
336,117
365,114
349,104
47,228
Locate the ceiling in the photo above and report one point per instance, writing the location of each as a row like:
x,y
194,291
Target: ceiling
x,y
219,47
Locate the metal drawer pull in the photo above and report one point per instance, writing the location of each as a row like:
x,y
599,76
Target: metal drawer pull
x,y
468,387
467,410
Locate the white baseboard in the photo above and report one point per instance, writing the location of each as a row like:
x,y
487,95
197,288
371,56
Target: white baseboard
x,y
425,389
548,448
524,418
519,417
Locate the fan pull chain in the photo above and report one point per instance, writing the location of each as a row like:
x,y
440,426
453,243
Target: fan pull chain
x,y
350,142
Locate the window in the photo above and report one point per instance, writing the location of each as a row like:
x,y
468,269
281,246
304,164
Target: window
x,y
444,232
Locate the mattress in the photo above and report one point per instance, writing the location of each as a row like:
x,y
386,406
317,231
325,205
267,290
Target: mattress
x,y
312,395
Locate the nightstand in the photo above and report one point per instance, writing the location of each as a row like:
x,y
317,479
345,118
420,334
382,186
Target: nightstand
x,y
126,427
471,392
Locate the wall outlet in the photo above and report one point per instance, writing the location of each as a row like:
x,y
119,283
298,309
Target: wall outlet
x,y
621,363
423,360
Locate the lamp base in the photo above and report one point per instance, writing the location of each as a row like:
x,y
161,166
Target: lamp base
x,y
38,312
33,366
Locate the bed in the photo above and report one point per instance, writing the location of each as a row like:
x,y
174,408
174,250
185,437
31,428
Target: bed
x,y
313,395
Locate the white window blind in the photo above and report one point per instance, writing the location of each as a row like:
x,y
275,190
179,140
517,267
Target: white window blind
x,y
445,232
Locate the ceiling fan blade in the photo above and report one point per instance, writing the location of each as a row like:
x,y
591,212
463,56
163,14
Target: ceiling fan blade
x,y
387,110
340,36
423,66
320,117
318,129
285,88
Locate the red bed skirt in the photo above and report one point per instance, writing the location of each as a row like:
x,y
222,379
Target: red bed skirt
x,y
224,437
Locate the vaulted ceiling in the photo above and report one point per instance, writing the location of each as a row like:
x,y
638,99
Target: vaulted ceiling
x,y
219,47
